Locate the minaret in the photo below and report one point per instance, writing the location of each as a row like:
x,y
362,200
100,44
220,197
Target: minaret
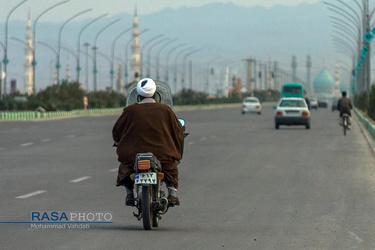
x,y
135,64
68,72
294,68
308,80
337,80
120,81
29,58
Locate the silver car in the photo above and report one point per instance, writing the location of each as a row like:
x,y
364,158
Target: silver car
x,y
292,111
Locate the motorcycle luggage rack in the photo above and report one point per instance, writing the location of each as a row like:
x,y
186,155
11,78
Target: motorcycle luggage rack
x,y
155,163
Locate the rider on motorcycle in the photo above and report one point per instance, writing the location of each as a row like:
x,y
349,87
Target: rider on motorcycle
x,y
344,105
148,126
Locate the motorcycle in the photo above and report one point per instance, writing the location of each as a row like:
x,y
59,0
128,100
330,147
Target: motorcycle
x,y
150,199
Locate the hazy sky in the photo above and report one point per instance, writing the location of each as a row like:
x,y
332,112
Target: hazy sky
x,y
113,7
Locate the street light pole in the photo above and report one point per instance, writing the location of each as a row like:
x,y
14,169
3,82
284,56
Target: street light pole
x,y
158,56
79,45
113,54
167,61
184,66
58,66
1,73
6,61
34,38
108,59
87,65
149,55
51,48
362,24
175,67
144,46
208,73
95,48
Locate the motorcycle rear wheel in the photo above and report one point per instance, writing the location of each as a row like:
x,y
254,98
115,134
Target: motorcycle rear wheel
x,y
147,212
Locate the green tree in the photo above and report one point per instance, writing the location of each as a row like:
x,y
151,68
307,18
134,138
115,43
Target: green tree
x,y
371,105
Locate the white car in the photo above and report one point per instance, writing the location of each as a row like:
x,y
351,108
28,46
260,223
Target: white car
x,y
251,105
313,103
292,111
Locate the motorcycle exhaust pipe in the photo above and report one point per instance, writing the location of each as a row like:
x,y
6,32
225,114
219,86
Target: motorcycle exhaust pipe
x,y
163,201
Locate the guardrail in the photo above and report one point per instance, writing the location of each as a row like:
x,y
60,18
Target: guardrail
x,y
369,126
31,115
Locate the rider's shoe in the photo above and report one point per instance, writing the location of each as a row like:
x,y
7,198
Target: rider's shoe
x,y
129,201
173,200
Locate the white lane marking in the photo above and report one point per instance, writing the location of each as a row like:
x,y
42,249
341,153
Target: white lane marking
x,y
45,140
191,143
359,240
27,144
2,149
31,194
70,136
203,138
81,179
113,170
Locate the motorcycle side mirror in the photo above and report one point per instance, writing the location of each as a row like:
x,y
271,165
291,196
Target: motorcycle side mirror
x,y
182,121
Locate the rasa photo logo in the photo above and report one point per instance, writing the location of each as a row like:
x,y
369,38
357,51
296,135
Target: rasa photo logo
x,y
68,219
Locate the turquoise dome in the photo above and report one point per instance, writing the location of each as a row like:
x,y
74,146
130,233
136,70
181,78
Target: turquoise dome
x,y
324,82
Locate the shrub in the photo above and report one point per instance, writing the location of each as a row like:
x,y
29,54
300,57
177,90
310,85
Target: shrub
x,y
361,101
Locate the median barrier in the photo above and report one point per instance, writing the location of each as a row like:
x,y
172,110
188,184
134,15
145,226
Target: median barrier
x,y
368,125
36,115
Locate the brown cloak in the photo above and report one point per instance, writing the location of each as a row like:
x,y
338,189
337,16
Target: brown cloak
x,y
148,127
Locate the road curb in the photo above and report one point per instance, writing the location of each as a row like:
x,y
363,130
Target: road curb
x,y
367,128
368,125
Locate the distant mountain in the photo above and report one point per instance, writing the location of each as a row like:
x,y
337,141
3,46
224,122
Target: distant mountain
x,y
217,29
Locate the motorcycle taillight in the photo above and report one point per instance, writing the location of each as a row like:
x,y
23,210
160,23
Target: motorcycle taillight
x,y
144,164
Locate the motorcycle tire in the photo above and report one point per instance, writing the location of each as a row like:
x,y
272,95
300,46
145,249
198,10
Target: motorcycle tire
x,y
147,212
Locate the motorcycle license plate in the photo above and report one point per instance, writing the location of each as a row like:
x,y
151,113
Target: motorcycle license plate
x,y
145,178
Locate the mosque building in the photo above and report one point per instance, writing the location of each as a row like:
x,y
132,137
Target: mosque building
x,y
324,85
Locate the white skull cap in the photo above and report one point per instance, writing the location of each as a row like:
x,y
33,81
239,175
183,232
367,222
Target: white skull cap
x,y
146,87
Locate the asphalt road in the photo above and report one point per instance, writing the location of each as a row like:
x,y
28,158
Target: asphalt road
x,y
243,185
